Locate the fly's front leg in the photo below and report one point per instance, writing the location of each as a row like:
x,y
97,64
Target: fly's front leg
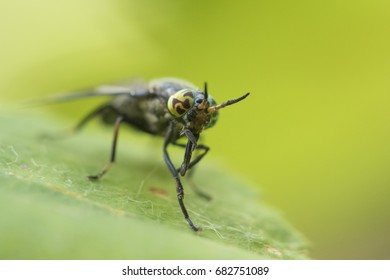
x,y
113,151
175,174
205,150
187,165
199,157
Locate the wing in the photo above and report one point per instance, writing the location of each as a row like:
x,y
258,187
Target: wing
x,y
133,88
136,88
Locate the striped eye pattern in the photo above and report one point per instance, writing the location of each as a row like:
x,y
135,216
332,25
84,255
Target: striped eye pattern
x,y
180,102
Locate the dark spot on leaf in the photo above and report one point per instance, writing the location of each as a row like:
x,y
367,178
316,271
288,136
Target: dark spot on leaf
x,y
158,192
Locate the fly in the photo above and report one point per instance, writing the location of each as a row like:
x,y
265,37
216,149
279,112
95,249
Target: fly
x,y
167,107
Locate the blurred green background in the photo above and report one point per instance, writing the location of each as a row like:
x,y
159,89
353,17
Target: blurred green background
x,y
315,133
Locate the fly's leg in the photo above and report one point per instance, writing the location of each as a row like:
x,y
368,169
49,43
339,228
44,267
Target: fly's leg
x,y
95,113
113,151
199,157
205,150
175,174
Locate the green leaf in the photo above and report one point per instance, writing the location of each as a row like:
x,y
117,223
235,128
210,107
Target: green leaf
x,y
50,210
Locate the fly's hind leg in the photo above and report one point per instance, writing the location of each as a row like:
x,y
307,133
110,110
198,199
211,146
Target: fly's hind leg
x,y
107,167
80,125
104,110
95,113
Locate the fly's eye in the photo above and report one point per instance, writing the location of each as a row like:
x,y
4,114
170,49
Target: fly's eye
x,y
198,100
180,102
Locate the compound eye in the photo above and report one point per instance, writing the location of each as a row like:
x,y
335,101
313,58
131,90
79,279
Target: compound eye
x,y
180,102
199,100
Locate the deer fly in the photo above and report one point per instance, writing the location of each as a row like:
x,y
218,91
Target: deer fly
x,y
167,107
